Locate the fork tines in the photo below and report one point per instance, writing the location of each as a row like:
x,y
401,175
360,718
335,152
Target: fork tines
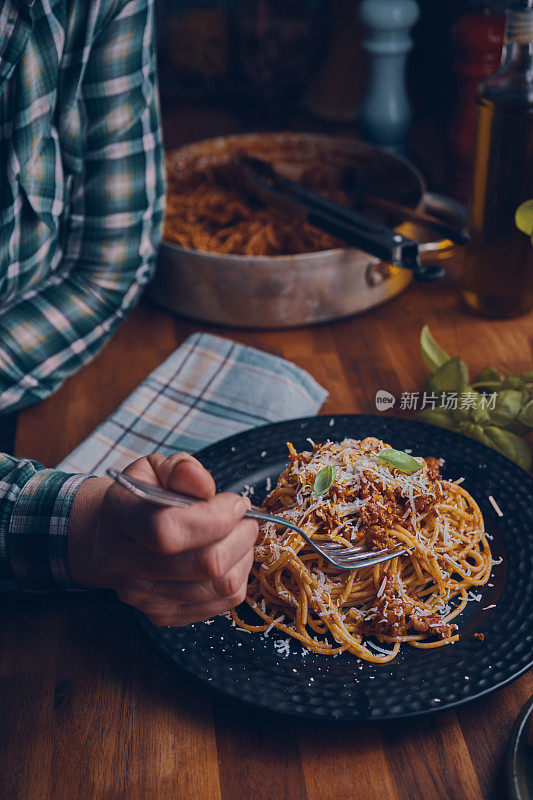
x,y
357,557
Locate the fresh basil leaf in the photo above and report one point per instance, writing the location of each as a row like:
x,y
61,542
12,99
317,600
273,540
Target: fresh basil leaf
x,y
472,430
452,376
526,414
503,441
438,417
472,407
432,353
527,377
461,414
518,427
524,217
512,382
397,459
480,414
324,480
507,407
487,375
508,445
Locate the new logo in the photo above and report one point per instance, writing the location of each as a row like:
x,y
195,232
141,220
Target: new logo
x,y
384,400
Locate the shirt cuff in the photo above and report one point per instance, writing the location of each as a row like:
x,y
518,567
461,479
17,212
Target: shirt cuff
x,y
37,535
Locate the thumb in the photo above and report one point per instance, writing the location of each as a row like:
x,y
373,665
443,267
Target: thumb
x,y
179,472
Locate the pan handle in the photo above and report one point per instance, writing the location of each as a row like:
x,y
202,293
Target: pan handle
x,y
451,211
446,208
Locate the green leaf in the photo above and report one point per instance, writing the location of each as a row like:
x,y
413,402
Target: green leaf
x,y
324,480
508,445
512,382
432,353
504,441
397,459
506,408
461,414
488,377
518,427
488,374
526,414
524,217
438,417
480,413
473,431
452,376
527,377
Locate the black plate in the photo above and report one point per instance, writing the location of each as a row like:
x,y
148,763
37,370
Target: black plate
x,y
247,668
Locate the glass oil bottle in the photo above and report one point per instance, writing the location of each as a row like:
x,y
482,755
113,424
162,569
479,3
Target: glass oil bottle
x,y
497,278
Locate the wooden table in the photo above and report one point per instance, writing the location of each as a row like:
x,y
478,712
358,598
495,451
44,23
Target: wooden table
x,y
89,710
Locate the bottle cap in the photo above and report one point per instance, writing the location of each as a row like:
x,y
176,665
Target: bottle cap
x,y
520,24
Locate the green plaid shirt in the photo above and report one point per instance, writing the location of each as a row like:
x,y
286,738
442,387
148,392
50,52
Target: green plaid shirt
x,y
81,210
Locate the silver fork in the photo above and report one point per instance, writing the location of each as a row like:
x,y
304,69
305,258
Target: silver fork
x,y
348,558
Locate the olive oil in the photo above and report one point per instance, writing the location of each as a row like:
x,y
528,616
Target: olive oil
x,y
497,279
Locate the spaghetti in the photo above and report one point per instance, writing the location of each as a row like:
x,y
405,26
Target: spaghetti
x,y
405,600
208,210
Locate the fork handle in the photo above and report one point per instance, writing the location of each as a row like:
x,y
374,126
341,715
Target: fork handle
x,y
164,497
155,494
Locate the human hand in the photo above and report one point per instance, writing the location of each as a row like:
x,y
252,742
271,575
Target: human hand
x,y
177,565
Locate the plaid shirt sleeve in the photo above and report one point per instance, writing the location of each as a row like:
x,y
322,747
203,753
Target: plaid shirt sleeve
x,y
113,224
35,505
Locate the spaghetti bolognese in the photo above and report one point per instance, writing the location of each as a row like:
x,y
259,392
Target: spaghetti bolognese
x,y
366,499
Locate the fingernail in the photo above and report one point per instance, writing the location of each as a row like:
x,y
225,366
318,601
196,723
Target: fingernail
x,y
194,465
243,504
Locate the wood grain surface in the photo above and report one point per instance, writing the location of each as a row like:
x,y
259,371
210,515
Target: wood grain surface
x,y
89,710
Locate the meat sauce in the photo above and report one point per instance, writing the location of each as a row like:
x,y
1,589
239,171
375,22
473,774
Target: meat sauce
x,y
395,612
387,507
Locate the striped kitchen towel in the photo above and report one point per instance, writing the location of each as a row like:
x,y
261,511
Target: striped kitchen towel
x,y
208,389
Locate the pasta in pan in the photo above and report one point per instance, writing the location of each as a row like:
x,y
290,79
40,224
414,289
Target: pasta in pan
x,y
207,210
372,502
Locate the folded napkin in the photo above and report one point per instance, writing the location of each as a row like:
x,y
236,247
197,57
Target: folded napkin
x,y
208,389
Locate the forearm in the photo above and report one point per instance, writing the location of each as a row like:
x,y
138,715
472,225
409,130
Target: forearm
x,y
49,336
81,528
113,225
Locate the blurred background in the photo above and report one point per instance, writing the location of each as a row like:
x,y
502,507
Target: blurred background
x,y
229,66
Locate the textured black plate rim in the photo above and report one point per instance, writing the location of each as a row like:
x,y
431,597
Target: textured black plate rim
x,y
234,697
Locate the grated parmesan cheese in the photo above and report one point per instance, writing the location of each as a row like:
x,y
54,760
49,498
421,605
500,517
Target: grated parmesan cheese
x,y
377,648
495,506
282,647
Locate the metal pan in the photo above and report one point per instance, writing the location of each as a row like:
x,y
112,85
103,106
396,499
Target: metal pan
x,y
295,290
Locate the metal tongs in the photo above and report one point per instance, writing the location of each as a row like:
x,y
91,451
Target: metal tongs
x,y
262,181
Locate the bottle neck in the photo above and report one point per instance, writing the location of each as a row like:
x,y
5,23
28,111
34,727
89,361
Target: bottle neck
x,y
518,57
518,45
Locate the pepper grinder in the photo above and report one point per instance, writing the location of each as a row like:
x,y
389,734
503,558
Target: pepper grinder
x,y
384,117
478,40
